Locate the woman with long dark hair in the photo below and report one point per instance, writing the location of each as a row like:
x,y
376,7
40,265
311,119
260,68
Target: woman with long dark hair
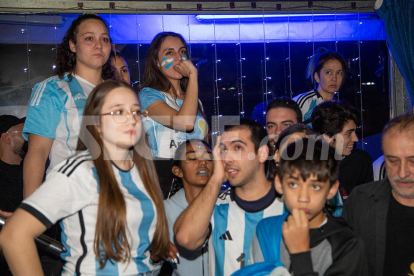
x,y
56,104
192,168
327,71
170,100
107,195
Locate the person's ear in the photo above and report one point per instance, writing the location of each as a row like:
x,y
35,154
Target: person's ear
x,y
333,190
263,153
278,185
72,46
177,171
5,137
316,77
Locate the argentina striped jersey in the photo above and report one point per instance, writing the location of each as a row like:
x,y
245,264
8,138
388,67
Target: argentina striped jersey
x,y
307,102
232,232
71,193
55,111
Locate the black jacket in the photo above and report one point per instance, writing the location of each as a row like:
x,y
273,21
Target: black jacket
x,y
366,213
335,249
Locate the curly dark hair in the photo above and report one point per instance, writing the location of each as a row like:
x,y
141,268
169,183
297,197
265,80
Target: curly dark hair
x,y
177,183
321,56
66,59
286,103
330,117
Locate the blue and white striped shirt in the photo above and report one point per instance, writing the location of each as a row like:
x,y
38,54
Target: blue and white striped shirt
x,y
55,111
232,233
71,193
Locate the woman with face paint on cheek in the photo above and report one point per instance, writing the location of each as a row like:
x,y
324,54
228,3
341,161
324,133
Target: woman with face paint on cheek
x,y
172,111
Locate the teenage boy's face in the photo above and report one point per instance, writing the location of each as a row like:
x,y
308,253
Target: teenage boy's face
x,y
309,195
346,139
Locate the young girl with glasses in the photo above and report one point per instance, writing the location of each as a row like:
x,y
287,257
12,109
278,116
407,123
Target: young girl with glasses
x,y
107,196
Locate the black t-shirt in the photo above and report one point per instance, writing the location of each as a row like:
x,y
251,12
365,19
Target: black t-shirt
x,y
354,170
399,251
11,186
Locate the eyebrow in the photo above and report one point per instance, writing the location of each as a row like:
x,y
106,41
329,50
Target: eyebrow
x,y
238,141
392,156
119,105
170,49
93,33
297,178
193,151
283,122
234,141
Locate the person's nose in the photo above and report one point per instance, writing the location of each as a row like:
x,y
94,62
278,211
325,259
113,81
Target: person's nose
x,y
303,195
202,162
403,170
131,118
354,137
98,44
226,157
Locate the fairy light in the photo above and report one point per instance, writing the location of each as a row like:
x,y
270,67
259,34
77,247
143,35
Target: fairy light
x,y
290,63
360,83
55,30
336,41
217,79
27,69
189,35
336,50
240,95
313,35
137,25
265,64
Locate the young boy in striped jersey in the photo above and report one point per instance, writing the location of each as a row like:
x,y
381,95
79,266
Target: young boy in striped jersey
x,y
229,220
307,240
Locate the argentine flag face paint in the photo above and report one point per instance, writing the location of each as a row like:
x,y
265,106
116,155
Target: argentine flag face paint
x,y
167,62
184,57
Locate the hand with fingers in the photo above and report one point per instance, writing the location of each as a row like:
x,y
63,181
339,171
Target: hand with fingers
x,y
6,214
187,68
218,173
173,254
295,232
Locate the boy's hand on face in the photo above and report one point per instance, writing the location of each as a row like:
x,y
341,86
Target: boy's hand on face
x,y
218,173
295,232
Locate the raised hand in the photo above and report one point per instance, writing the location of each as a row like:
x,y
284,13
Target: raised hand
x,y
295,232
218,172
187,69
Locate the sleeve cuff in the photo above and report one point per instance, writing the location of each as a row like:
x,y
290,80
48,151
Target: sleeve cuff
x,y
302,263
36,214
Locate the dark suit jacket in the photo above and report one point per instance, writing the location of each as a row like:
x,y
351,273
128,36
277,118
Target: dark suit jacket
x,y
366,213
